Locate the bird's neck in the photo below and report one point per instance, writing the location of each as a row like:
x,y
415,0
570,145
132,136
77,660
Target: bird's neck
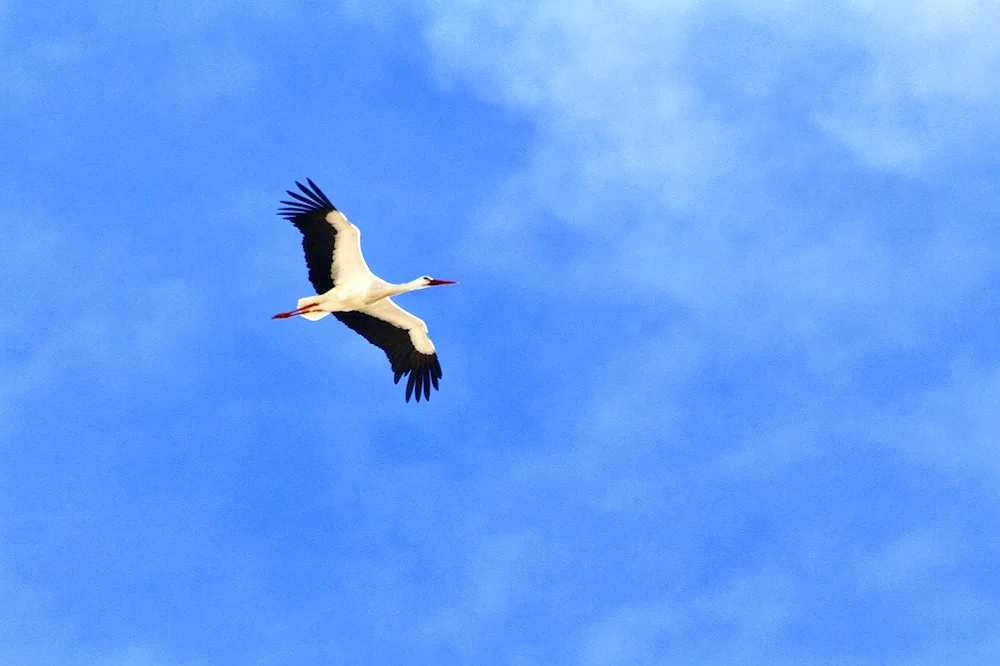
x,y
393,289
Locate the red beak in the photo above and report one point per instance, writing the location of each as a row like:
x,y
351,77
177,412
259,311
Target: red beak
x,y
434,283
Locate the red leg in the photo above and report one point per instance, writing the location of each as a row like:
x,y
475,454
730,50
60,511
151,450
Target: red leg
x,y
297,311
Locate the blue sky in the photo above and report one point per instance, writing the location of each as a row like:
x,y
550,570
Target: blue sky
x,y
721,379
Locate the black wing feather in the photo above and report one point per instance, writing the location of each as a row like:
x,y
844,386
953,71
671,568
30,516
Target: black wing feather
x,y
422,369
308,214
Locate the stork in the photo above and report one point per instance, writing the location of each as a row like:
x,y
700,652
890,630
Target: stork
x,y
347,289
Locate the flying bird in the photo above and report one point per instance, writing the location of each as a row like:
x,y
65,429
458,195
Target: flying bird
x,y
349,291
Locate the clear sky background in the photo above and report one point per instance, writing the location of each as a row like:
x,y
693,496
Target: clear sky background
x,y
721,378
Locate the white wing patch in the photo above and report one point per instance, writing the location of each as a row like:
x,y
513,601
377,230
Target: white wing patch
x,y
388,311
348,262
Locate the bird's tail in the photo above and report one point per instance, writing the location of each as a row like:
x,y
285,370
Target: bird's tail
x,y
311,316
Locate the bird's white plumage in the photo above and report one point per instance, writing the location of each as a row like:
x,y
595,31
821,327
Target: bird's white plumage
x,y
387,310
348,261
312,316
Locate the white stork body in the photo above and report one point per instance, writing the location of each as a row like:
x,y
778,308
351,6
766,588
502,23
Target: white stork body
x,y
347,288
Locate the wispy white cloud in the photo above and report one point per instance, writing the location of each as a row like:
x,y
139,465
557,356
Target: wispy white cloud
x,y
926,85
604,83
621,110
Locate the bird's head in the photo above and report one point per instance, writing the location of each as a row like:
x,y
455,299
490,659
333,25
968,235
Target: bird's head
x,y
428,281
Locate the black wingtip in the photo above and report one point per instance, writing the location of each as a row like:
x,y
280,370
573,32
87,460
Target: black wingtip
x,y
308,200
317,193
409,386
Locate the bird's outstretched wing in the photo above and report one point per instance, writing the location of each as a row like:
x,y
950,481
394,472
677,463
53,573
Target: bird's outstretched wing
x,y
319,237
403,337
331,243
